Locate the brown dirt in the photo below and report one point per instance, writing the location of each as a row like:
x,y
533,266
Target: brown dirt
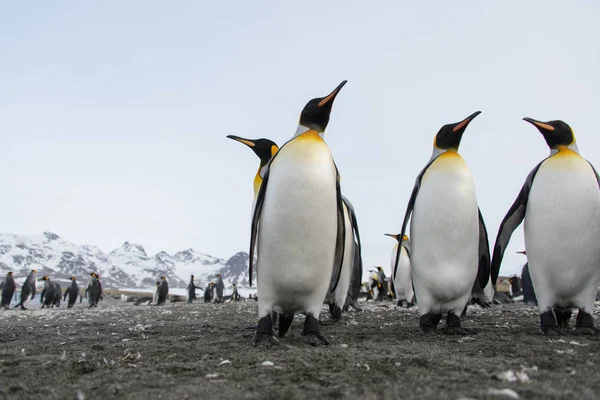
x,y
174,352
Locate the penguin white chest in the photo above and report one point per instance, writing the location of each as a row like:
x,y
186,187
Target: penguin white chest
x,y
445,232
298,227
562,226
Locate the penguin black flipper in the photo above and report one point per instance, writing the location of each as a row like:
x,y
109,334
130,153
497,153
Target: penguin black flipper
x,y
340,241
511,221
260,199
358,268
483,273
409,209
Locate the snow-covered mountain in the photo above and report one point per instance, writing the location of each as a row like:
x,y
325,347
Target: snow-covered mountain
x,y
126,266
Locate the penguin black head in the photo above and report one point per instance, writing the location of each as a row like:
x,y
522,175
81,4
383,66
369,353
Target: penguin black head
x,y
73,278
449,136
265,149
556,133
315,114
43,278
93,274
33,271
218,275
10,273
379,268
162,278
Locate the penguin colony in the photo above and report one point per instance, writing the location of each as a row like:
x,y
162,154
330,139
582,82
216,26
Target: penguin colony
x,y
305,243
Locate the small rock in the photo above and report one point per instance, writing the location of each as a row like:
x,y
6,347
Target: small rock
x,y
63,356
267,364
210,376
80,395
509,393
224,362
344,345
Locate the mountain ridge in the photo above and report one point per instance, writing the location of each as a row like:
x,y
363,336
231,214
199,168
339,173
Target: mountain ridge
x,y
128,266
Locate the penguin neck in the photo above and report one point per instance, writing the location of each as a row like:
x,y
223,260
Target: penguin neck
x,y
438,152
301,130
572,147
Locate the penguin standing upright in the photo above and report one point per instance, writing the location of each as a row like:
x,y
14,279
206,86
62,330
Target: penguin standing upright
x,y
100,293
27,290
208,292
560,203
350,267
8,290
298,227
73,292
92,291
48,293
446,247
403,285
57,295
162,291
191,288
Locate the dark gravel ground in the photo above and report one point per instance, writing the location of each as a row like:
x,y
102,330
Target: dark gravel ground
x,y
181,351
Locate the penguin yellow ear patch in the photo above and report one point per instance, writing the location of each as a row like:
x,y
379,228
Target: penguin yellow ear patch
x,y
405,237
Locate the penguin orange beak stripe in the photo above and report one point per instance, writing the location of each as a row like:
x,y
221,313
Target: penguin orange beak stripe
x,y
466,121
242,140
332,95
391,235
539,124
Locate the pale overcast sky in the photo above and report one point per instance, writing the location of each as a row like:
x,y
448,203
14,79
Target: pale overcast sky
x,y
113,114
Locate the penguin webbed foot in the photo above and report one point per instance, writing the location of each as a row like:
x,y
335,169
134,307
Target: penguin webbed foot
x,y
311,333
429,322
336,314
453,326
584,325
264,333
548,325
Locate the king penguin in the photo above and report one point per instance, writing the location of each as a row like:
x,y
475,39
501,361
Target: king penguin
x,y
350,267
403,285
448,252
560,203
265,149
298,228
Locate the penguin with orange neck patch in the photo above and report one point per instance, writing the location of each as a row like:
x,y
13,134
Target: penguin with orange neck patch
x,y
298,228
403,285
447,250
560,204
265,149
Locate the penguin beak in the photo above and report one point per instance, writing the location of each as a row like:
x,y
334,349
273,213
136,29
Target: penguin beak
x,y
329,99
247,142
540,125
391,235
463,124
522,252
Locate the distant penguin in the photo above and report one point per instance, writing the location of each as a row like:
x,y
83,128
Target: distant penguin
x,y
162,291
27,290
219,287
92,291
208,292
403,285
48,293
191,288
560,203
235,296
8,290
57,295
447,250
100,294
298,228
73,292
